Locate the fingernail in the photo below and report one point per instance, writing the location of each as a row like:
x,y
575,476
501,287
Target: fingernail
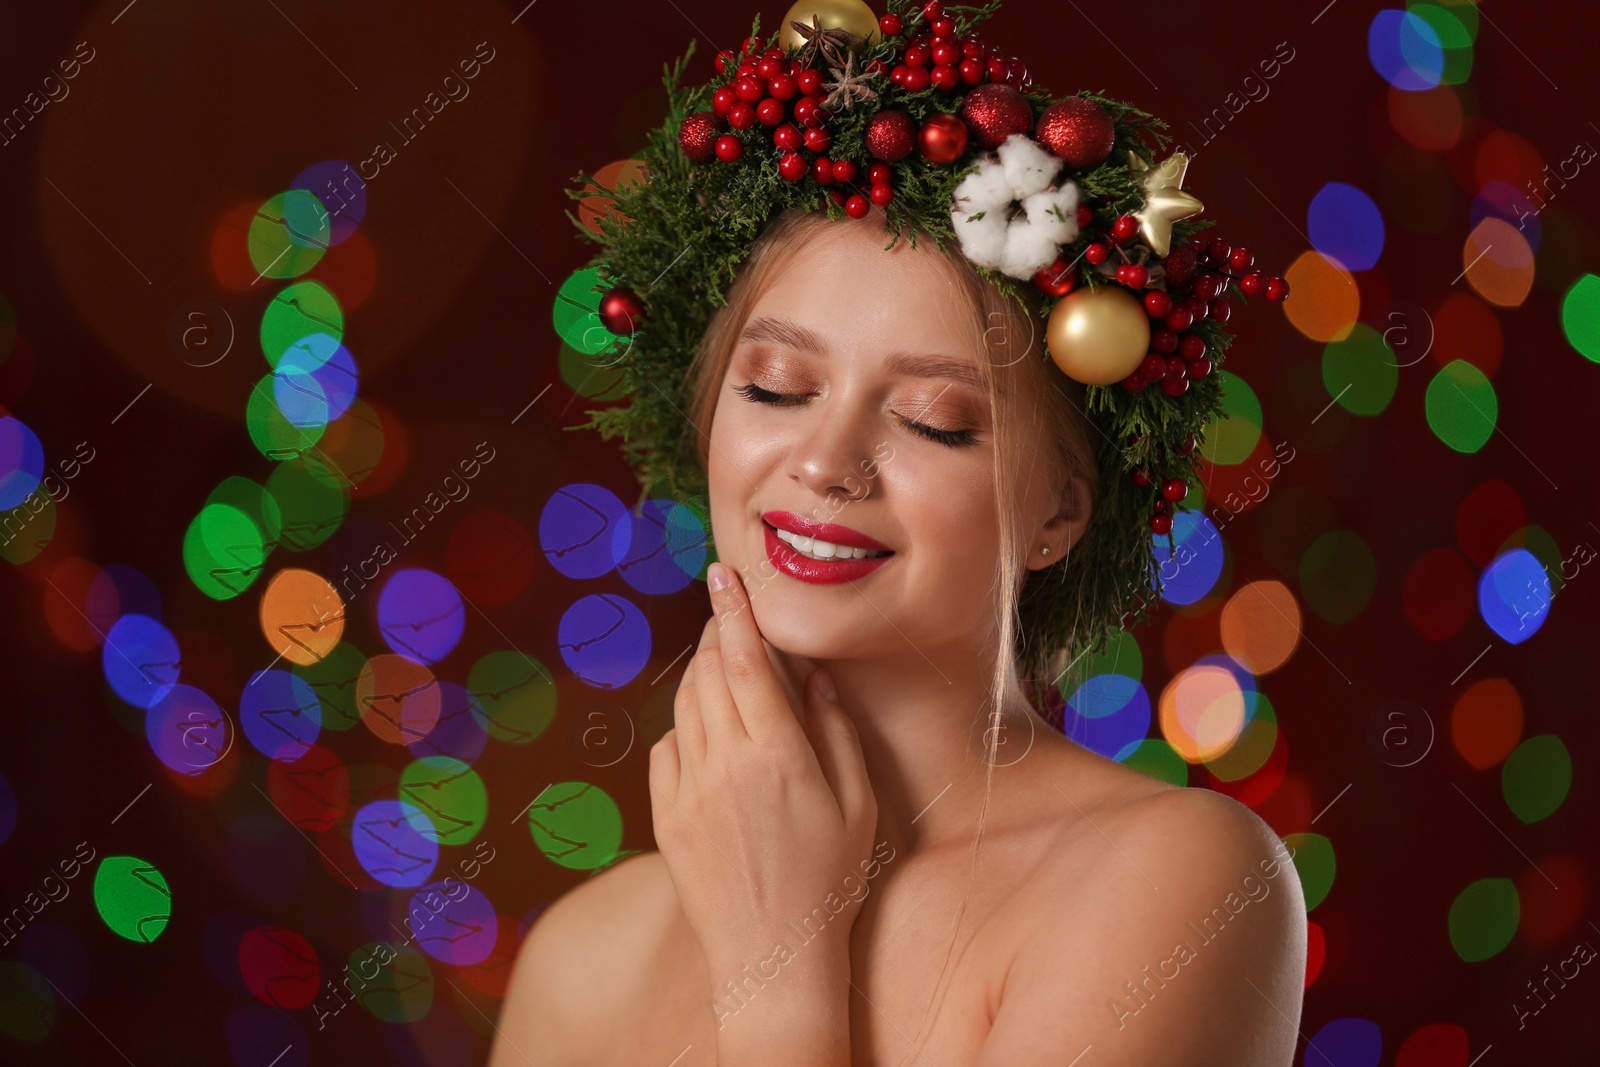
x,y
825,686
717,577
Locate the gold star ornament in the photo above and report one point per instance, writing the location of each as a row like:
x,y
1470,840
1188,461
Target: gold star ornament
x,y
1165,202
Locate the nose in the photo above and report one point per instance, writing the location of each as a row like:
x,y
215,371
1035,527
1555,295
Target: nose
x,y
832,452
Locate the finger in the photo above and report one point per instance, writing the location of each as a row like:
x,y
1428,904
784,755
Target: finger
x,y
716,706
666,768
838,748
686,721
717,710
763,706
665,776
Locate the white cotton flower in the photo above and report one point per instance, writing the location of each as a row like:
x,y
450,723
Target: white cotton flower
x,y
1008,214
1029,167
985,189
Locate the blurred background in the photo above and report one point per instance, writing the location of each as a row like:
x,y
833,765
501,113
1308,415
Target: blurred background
x,y
312,602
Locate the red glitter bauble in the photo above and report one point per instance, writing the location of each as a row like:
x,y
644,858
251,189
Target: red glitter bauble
x,y
1180,265
620,311
942,139
1078,131
994,112
698,135
891,135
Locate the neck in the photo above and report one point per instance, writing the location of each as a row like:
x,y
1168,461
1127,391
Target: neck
x,y
925,728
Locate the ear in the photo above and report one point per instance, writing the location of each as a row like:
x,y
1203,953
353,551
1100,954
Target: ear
x,y
1065,528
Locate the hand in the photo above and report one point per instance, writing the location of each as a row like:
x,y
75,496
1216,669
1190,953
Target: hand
x,y
760,813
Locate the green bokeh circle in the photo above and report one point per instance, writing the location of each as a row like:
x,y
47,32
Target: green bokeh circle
x,y
132,897
576,825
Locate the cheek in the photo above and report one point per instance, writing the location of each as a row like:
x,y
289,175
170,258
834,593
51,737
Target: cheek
x,y
744,444
948,505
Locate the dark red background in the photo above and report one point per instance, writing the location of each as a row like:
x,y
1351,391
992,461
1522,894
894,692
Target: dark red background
x,y
187,112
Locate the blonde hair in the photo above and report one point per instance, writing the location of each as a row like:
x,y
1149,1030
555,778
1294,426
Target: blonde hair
x,y
1025,390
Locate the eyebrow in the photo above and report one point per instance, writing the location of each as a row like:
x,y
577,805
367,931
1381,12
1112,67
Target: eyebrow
x,y
791,334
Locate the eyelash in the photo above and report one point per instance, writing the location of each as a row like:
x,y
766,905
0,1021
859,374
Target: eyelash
x,y
950,438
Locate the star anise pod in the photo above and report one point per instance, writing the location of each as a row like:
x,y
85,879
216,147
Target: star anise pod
x,y
848,87
828,41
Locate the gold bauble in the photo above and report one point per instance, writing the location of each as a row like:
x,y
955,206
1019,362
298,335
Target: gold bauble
x,y
852,15
1098,336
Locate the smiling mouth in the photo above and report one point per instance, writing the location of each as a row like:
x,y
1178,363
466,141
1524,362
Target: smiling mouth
x,y
823,551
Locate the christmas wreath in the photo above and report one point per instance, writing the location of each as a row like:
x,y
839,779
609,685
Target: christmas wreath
x,y
913,114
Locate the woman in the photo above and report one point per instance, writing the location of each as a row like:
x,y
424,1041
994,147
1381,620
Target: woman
x,y
1089,875
872,849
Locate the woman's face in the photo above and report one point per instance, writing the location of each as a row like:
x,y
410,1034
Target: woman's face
x,y
847,363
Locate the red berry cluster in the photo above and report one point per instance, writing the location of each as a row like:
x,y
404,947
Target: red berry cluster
x,y
1196,289
780,94
1173,490
932,55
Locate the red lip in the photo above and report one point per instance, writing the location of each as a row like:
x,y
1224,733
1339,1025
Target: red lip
x,y
830,532
817,571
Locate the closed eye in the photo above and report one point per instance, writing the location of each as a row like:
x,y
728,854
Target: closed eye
x,y
952,438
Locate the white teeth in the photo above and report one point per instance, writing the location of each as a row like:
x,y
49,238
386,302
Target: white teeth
x,y
814,548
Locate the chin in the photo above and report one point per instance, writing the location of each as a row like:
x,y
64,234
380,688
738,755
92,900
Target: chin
x,y
795,629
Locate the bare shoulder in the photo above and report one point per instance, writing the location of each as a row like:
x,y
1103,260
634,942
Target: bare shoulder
x,y
1184,921
582,963
1201,831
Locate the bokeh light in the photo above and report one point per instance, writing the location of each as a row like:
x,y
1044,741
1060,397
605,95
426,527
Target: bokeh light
x,y
1190,566
288,235
187,730
420,614
666,548
395,843
1514,595
1462,406
516,695
1233,434
342,193
576,825
1346,226
576,313
1498,262
1580,316
302,615
21,462
454,923
132,897
140,659
1326,302
1536,777
1260,626
280,967
1405,50
1346,1042
1483,918
1108,714
449,794
1360,371
1314,862
398,697
399,983
582,529
1486,722
1434,1045
301,311
1202,712
604,640
280,714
